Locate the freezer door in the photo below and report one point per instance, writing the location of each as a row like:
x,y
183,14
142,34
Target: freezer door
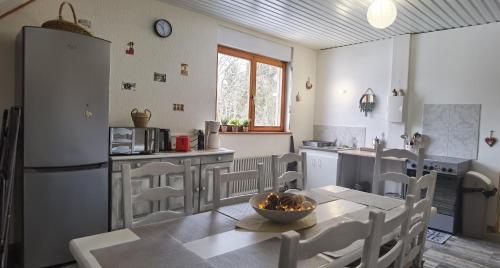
x,y
60,206
66,91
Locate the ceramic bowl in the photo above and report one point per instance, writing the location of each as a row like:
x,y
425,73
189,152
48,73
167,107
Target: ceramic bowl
x,y
279,215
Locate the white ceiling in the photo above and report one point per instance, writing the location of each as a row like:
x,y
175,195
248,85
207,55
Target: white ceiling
x,y
334,23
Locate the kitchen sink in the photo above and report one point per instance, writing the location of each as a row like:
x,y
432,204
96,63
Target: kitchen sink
x,y
319,144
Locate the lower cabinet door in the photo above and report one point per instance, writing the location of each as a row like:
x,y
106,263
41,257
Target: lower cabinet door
x,y
207,183
177,181
321,168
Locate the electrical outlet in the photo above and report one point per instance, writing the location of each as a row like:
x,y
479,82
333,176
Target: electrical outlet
x,y
128,86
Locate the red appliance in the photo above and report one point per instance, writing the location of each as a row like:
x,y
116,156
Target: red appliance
x,y
182,144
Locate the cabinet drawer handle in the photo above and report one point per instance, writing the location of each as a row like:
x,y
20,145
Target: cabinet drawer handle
x,y
197,189
181,162
219,158
138,164
203,188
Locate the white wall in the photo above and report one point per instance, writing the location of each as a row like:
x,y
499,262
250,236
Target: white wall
x,y
343,75
194,41
460,66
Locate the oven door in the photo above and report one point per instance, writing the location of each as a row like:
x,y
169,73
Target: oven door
x,y
447,201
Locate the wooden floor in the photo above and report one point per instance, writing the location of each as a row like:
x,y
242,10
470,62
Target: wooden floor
x,y
462,252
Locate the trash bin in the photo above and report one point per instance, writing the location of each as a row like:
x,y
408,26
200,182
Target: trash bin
x,y
476,190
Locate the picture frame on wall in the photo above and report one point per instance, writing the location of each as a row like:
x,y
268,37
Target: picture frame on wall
x,y
10,6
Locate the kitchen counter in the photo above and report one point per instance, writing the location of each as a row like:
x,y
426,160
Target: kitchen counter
x,y
173,154
203,163
358,152
324,149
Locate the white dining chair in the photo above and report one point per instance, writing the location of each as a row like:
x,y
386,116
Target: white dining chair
x,y
423,189
401,179
232,177
281,178
334,238
156,194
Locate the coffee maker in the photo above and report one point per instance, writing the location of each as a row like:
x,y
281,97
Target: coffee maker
x,y
212,134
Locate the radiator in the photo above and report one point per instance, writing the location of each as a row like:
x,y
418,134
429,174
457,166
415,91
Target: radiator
x,y
250,163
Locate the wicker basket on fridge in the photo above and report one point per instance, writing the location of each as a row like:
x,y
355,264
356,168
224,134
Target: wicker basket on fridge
x,y
61,24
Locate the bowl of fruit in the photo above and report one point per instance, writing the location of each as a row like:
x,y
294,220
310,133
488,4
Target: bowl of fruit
x,y
282,207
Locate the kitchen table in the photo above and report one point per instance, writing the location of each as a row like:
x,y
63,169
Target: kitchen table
x,y
211,239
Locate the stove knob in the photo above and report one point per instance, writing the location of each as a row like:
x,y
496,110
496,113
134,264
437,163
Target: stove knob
x,y
443,169
431,168
450,170
413,165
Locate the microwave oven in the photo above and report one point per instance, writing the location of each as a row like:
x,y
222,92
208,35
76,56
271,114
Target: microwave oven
x,y
132,140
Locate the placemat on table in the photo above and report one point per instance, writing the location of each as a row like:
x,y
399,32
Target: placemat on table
x,y
154,251
258,223
372,200
320,195
190,228
264,254
238,211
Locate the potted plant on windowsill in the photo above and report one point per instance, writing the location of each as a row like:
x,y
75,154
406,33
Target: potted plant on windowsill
x,y
245,124
223,125
235,125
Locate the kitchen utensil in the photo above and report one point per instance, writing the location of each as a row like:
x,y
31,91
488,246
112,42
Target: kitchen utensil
x,y
182,144
61,24
140,119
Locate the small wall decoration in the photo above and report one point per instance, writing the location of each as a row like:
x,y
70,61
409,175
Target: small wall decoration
x,y
178,107
130,49
184,69
491,141
367,102
128,86
298,98
309,85
159,77
85,22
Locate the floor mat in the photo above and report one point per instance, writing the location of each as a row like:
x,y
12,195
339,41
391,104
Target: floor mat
x,y
437,237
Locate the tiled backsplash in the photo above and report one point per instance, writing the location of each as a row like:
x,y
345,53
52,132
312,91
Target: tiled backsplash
x,y
452,129
343,135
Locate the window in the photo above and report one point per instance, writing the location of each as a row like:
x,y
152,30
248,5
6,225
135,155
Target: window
x,y
251,87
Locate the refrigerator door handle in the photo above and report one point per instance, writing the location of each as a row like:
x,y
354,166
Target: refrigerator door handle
x,y
65,169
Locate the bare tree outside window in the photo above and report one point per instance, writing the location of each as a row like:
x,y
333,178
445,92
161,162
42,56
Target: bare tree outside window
x,y
233,87
268,95
250,87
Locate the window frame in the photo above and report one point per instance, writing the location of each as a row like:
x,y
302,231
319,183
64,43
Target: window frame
x,y
254,58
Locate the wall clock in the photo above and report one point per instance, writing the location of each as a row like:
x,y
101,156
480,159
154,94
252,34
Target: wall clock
x,y
163,28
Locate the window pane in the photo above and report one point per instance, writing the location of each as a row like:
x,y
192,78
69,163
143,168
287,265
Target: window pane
x,y
233,87
268,95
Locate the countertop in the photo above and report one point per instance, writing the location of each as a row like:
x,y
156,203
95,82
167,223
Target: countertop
x,y
192,153
332,149
358,152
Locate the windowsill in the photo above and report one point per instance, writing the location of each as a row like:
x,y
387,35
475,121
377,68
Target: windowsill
x,y
256,133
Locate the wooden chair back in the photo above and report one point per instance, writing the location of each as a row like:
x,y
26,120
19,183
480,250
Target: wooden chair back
x,y
423,189
156,194
333,238
247,176
380,177
300,176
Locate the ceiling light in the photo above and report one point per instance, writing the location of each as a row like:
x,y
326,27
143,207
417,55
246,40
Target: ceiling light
x,y
381,13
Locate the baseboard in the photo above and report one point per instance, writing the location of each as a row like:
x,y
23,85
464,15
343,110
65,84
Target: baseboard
x,y
494,237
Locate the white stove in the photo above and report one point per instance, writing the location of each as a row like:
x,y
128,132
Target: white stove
x,y
447,196
443,165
